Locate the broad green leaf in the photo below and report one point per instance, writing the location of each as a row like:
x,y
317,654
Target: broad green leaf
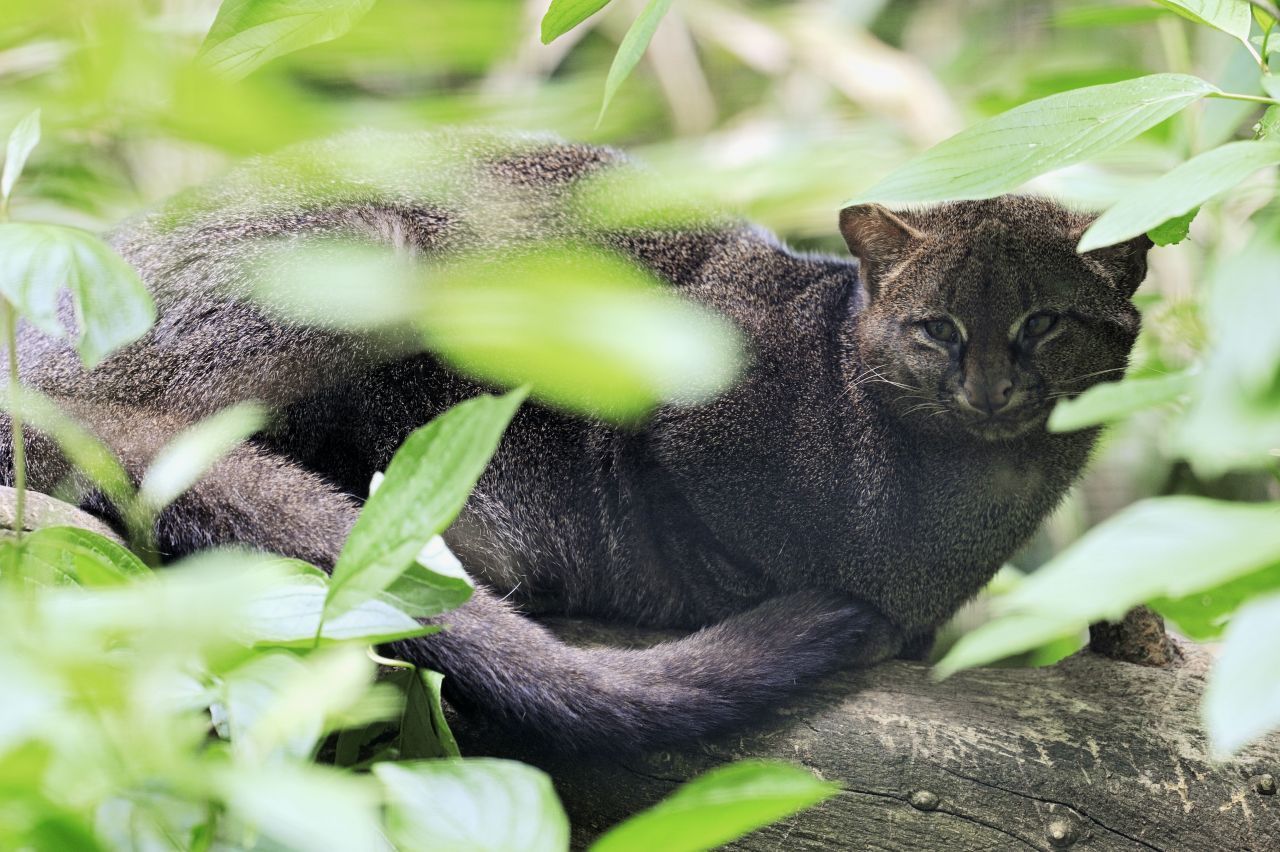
x,y
1203,615
1230,16
1242,698
588,331
1112,401
1181,190
1168,547
190,455
427,483
718,808
22,140
288,615
424,731
633,46
1173,231
1004,152
1234,419
434,583
247,34
564,15
476,804
302,806
112,308
80,557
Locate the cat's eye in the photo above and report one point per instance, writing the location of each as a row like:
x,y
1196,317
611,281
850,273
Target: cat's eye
x,y
942,330
1038,325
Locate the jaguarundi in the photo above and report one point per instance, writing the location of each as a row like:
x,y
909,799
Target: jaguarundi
x,y
883,454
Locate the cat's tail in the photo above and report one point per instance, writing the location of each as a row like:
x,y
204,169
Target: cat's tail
x,y
498,663
502,665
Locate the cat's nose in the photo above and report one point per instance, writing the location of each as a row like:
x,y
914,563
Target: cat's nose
x,y
988,396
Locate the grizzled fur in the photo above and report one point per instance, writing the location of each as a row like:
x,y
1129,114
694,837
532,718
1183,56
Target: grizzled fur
x,y
832,509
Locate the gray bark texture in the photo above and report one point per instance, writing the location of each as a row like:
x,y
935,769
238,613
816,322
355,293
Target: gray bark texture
x,y
1094,753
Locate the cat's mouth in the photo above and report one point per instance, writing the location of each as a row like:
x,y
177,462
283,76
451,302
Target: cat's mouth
x,y
1004,425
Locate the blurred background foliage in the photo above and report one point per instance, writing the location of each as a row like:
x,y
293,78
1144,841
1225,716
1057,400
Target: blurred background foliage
x,y
778,111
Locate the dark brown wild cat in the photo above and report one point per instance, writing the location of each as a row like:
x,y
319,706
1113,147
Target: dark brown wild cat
x,y
884,453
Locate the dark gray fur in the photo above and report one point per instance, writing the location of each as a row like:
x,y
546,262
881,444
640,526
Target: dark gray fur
x,y
808,519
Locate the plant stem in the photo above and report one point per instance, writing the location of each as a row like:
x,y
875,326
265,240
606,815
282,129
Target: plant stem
x,y
1236,96
15,418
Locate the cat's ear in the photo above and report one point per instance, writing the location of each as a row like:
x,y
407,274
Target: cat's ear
x,y
1123,264
878,238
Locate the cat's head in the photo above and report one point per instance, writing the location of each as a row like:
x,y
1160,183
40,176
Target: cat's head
x,y
980,315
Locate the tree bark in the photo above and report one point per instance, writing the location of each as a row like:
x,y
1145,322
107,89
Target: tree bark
x,y
1093,753
1089,754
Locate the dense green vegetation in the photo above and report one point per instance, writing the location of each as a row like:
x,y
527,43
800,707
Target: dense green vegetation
x,y
187,708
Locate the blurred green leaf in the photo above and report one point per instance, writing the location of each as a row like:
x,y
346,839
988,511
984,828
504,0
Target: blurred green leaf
x,y
564,15
1242,698
1112,401
112,307
1179,191
427,483
475,804
1269,124
633,46
1230,16
80,557
1163,547
304,807
1234,418
718,808
190,455
1174,230
1004,152
246,34
1203,615
22,140
588,331
288,614
1105,15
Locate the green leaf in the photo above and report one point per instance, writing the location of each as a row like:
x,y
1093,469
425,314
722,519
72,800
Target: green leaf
x,y
426,485
1004,152
1242,698
1203,615
1163,547
1230,16
718,808
190,455
1173,231
434,583
22,140
1181,190
288,615
80,557
424,731
247,34
633,46
589,331
112,307
1112,401
475,804
564,15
